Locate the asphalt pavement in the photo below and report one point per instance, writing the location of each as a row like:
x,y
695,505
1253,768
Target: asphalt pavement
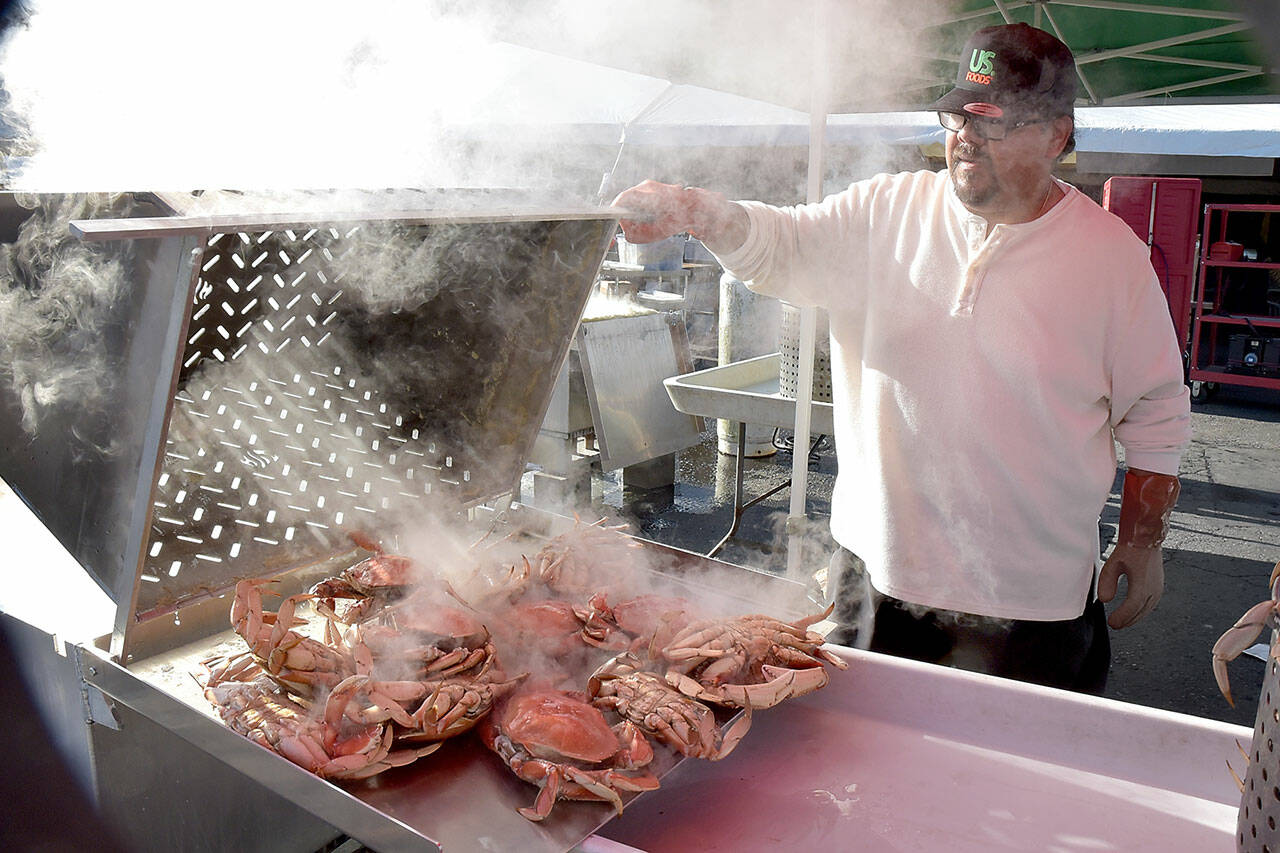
x,y
1223,543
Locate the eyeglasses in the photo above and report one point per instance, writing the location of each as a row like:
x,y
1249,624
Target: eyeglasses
x,y
988,128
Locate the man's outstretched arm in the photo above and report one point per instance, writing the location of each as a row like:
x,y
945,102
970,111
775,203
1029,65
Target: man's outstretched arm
x,y
668,209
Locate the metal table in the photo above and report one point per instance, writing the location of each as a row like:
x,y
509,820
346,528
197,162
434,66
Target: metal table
x,y
746,392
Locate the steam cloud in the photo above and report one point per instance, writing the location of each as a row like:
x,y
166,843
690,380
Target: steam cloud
x,y
498,94
59,301
437,95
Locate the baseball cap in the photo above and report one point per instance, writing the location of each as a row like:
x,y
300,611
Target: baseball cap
x,y
1013,70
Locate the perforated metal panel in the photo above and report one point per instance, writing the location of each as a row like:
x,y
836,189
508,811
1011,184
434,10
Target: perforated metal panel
x,y
354,377
281,378
1256,827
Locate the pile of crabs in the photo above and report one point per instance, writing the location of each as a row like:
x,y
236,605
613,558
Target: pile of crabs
x,y
401,662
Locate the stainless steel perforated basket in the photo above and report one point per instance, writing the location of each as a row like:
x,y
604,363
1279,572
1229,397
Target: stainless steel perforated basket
x,y
789,363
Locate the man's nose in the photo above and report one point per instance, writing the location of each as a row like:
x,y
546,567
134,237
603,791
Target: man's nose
x,y
970,135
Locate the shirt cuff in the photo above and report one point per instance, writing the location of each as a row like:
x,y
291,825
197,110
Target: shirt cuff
x,y
1157,462
739,260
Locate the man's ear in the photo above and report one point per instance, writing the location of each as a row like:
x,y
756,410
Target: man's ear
x,y
1061,129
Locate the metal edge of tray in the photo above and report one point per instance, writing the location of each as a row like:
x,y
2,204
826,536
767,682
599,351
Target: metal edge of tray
x,y
328,802
93,230
744,391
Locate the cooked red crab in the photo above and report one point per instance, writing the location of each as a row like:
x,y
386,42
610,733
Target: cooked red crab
x,y
295,661
753,661
635,623
572,562
372,583
561,743
421,638
660,710
553,627
332,746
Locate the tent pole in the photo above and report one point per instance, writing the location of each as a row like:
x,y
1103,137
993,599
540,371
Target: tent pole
x,y
808,315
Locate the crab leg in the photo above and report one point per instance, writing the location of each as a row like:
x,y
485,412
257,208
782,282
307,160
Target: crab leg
x,y
803,624
549,788
782,684
636,749
246,608
1236,639
600,789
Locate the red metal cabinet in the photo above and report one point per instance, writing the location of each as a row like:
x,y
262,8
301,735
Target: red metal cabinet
x,y
1164,213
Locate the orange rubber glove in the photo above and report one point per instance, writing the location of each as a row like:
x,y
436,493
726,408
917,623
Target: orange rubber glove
x,y
1145,504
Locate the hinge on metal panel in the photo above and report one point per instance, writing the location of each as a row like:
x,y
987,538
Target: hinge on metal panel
x,y
97,706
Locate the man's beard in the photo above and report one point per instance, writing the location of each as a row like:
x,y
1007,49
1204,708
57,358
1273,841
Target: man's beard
x,y
972,196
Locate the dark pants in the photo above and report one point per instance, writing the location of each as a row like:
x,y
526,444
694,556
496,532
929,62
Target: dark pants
x,y
1073,654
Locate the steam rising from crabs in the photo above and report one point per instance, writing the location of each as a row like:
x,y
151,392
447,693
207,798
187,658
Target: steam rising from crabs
x,y
405,662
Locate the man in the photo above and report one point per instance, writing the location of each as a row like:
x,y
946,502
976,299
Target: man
x,y
992,331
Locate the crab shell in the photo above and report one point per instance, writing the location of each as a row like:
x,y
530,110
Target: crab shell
x,y
563,744
555,725
552,626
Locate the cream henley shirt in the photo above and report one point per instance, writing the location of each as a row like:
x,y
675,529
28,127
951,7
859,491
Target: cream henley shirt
x,y
978,382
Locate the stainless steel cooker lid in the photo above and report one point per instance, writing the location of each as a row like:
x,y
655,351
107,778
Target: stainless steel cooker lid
x,y
285,377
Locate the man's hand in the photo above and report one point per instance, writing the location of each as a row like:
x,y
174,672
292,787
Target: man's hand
x,y
669,209
1146,501
1144,568
665,206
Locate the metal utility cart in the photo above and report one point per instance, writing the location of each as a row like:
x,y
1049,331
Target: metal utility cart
x,y
1236,336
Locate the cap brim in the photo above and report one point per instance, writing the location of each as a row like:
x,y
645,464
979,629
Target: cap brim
x,y
954,101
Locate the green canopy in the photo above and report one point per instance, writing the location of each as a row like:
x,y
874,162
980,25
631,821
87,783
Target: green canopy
x,y
1127,52
847,56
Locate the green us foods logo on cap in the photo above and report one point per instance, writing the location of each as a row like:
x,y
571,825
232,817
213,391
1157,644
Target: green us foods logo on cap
x,y
981,65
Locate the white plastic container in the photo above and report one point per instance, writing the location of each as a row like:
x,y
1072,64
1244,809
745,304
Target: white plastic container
x,y
661,255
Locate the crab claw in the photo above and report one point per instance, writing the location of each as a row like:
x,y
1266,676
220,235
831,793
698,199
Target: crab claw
x,y
1236,639
781,684
734,735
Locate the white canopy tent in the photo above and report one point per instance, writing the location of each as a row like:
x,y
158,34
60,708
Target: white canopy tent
x,y
692,116
1218,130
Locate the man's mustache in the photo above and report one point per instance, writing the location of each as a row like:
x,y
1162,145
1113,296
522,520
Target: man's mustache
x,y
963,151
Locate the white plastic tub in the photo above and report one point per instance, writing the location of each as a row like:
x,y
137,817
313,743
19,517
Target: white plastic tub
x,y
895,755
